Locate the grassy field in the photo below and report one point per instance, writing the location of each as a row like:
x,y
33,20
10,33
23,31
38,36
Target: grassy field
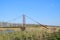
x,y
31,33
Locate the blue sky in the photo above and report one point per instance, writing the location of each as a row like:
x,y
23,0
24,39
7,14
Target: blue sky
x,y
44,11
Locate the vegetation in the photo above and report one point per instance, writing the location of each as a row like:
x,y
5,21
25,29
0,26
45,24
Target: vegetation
x,y
30,35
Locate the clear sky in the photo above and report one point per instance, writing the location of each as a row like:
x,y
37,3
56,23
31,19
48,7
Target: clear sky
x,y
44,11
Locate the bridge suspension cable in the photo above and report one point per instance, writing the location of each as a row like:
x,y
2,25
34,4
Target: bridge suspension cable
x,y
14,19
35,21
29,18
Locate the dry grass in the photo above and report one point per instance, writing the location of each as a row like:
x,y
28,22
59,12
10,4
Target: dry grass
x,y
49,30
31,33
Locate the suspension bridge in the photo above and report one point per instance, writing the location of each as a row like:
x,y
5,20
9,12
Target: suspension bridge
x,y
24,22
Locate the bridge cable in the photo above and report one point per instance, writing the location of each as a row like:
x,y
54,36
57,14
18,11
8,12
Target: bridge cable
x,y
36,21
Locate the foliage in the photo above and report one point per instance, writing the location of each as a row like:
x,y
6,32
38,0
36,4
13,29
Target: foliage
x,y
30,35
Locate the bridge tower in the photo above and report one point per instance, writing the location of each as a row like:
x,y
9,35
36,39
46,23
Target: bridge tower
x,y
23,26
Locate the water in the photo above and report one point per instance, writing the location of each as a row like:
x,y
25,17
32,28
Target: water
x,y
6,31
